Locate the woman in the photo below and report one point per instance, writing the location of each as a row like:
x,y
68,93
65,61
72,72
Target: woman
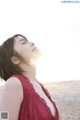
x,y
23,97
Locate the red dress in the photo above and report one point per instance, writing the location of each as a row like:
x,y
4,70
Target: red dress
x,y
33,107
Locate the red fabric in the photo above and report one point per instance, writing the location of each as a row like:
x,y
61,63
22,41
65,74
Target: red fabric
x,y
33,106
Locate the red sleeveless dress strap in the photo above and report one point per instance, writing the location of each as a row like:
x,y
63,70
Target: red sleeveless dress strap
x,y
33,107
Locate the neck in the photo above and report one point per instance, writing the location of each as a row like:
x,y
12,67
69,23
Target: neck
x,y
29,71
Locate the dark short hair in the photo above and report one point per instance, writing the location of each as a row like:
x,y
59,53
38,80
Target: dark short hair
x,y
7,67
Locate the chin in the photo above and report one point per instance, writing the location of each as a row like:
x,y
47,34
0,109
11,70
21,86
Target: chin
x,y
37,55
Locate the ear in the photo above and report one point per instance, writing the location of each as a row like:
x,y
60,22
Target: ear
x,y
15,60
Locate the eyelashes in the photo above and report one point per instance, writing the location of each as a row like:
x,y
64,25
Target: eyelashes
x,y
24,42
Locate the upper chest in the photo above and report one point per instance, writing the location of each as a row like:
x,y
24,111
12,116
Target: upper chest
x,y
38,89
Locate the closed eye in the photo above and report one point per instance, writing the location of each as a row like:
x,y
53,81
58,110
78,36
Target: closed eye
x,y
23,42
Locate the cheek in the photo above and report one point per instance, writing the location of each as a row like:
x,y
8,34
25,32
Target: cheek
x,y
21,50
26,53
26,48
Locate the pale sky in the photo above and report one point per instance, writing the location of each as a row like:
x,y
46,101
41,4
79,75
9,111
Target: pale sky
x,y
54,27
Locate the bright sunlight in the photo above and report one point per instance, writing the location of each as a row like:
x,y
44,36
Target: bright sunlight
x,y
55,29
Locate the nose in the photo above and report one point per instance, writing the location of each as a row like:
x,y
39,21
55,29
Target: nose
x,y
32,43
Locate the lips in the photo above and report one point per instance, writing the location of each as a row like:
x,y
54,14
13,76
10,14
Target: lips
x,y
35,48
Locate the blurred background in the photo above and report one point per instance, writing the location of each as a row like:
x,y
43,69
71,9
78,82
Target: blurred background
x,y
55,29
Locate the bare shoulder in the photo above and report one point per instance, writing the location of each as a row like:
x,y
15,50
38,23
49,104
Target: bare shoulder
x,y
13,83
12,97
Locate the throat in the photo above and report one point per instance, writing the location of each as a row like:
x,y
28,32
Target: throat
x,y
29,71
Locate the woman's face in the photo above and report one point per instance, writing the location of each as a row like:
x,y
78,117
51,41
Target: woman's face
x,y
27,50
